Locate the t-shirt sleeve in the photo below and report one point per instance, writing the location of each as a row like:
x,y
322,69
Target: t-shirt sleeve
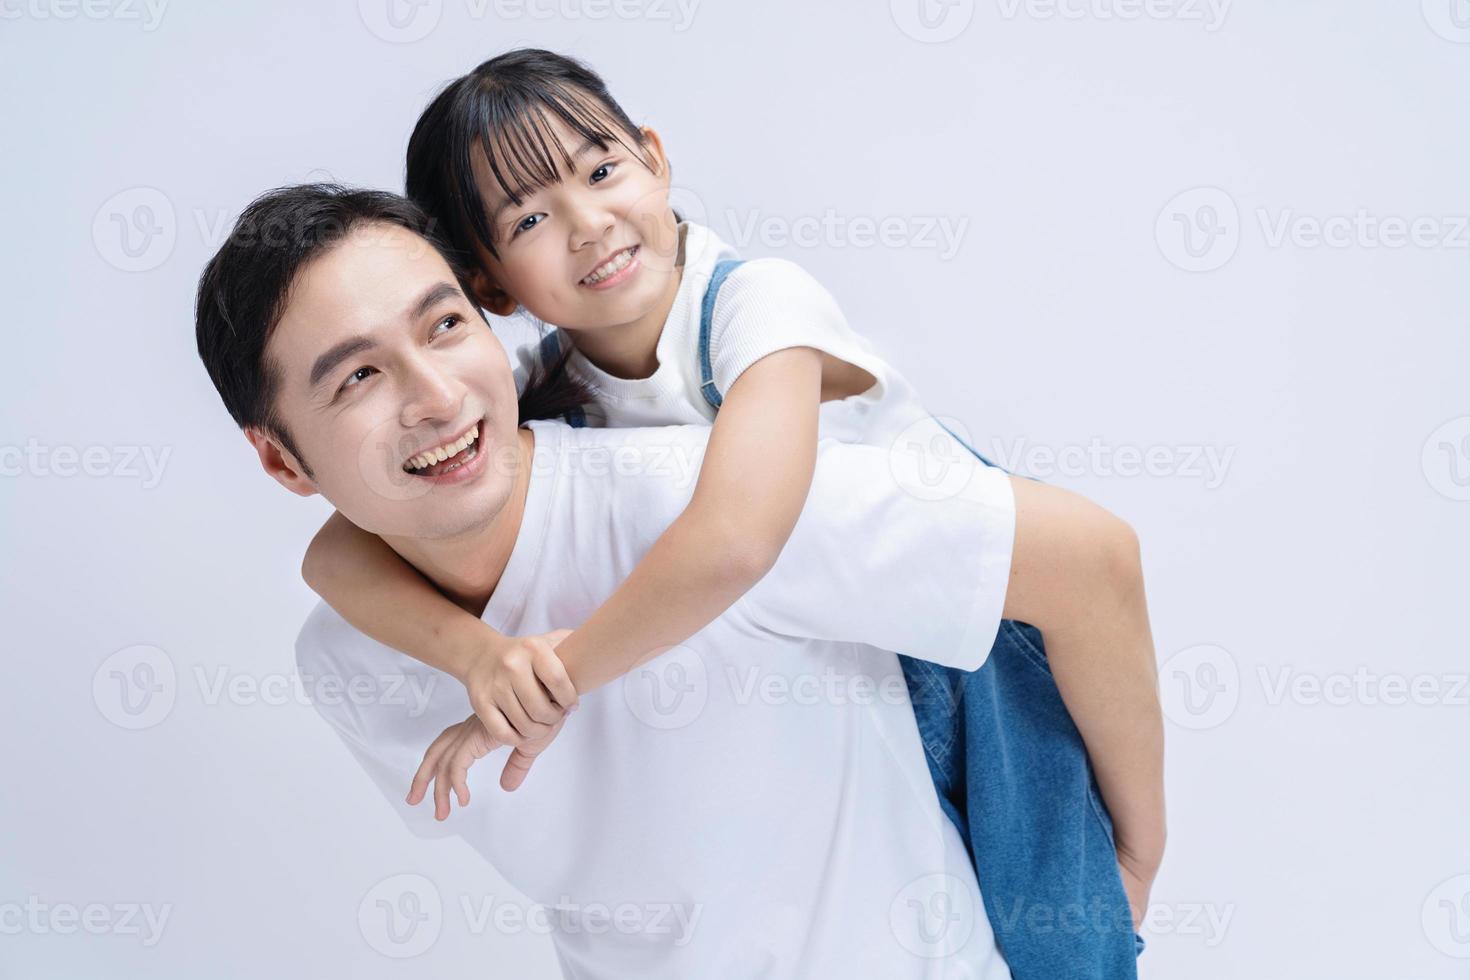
x,y
320,654
767,305
906,549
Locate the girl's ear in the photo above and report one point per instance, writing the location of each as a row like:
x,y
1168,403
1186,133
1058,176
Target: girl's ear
x,y
490,296
655,148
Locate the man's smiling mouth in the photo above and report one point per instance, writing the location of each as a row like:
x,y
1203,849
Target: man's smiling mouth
x,y
447,457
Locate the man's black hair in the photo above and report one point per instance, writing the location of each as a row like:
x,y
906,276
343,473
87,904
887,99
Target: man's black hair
x,y
244,289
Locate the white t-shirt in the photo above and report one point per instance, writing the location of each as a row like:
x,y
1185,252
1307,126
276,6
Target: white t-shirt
x,y
765,305
756,801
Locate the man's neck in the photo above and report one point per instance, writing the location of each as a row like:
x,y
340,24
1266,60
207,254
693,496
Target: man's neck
x,y
468,567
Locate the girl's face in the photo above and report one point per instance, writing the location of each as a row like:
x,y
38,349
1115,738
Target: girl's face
x,y
595,250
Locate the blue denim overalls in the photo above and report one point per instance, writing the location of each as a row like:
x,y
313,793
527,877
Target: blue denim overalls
x,y
1012,774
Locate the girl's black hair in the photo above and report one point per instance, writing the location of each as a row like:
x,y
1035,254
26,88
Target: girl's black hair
x,y
244,289
504,109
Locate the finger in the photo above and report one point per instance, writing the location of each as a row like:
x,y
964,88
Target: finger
x,y
520,761
426,768
525,728
459,769
536,702
516,768
553,673
499,726
441,791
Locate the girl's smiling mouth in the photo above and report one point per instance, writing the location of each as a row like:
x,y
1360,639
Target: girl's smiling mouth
x,y
617,269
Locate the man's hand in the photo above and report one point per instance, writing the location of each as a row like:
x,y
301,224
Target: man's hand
x,y
448,761
519,688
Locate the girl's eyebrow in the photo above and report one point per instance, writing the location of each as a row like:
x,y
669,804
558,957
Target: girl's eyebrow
x,y
506,203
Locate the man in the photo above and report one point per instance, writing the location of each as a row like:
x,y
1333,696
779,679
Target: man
x,y
762,786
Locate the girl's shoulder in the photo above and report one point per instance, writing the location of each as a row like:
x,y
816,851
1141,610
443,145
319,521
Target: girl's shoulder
x,y
766,288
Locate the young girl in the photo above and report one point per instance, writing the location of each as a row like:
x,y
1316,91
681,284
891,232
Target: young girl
x,y
542,181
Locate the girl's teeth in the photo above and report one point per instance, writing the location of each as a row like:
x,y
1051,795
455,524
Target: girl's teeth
x,y
615,265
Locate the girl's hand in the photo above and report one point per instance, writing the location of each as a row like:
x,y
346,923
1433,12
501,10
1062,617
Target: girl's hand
x,y
519,688
448,759
1137,883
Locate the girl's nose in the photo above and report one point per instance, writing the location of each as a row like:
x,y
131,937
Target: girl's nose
x,y
591,225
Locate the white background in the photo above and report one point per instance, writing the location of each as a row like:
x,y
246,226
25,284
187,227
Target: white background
x,y
1312,648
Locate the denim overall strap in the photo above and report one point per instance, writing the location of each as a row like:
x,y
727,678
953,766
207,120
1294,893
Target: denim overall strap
x,y
706,316
550,351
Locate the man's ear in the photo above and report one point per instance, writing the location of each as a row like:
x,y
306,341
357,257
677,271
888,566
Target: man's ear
x,y
280,464
490,296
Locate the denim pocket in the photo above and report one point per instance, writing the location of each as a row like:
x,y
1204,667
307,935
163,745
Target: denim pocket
x,y
1025,638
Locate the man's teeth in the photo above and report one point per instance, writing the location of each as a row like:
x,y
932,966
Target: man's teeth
x,y
426,459
611,267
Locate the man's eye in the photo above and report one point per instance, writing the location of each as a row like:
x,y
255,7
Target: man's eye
x,y
453,320
606,169
361,374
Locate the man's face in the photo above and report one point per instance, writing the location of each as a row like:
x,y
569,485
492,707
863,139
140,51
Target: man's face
x,y
383,360
553,247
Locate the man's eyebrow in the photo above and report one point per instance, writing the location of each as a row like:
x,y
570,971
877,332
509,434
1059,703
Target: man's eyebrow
x,y
328,361
432,297
507,203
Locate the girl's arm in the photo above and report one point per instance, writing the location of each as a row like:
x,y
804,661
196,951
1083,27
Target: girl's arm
x,y
385,597
752,485
1076,574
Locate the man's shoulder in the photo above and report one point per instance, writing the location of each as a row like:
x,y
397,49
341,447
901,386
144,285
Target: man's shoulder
x,y
553,437
323,641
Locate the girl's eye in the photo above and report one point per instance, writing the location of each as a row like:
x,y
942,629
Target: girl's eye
x,y
361,374
525,223
453,319
606,169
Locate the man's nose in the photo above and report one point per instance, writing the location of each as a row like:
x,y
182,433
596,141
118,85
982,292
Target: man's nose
x,y
433,395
